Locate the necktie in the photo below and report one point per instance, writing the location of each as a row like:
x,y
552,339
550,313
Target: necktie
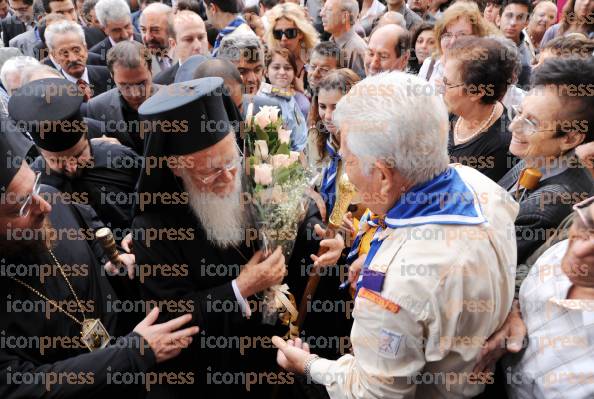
x,y
85,88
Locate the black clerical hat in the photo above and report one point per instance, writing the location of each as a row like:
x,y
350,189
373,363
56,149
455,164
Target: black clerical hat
x,y
49,109
186,117
11,155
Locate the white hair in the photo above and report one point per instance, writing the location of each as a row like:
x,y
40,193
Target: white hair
x,y
399,119
62,28
352,6
15,65
223,218
111,10
35,72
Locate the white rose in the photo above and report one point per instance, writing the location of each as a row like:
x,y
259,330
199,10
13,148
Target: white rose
x,y
263,174
293,157
250,115
262,119
261,149
280,161
284,135
273,113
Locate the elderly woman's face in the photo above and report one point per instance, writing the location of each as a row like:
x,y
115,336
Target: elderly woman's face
x,y
291,35
456,29
452,87
534,128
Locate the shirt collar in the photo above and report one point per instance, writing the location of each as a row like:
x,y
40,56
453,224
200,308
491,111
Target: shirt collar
x,y
114,43
85,76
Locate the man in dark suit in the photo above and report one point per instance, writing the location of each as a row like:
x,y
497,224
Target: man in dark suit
x,y
19,22
67,47
117,109
189,40
115,20
67,9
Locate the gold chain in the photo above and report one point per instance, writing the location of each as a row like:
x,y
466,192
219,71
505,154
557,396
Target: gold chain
x,y
52,301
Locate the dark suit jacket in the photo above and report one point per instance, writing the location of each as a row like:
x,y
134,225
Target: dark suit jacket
x,y
11,27
167,76
100,79
93,36
107,109
544,208
104,45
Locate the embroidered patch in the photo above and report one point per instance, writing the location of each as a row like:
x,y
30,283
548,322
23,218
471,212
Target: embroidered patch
x,y
379,300
389,342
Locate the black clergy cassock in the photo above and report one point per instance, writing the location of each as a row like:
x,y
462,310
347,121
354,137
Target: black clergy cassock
x,y
198,278
107,183
24,371
232,356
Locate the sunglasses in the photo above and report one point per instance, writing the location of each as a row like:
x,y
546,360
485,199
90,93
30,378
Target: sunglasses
x,y
290,33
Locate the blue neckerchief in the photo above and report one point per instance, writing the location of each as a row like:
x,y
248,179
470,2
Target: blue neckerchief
x,y
238,21
368,219
328,186
446,199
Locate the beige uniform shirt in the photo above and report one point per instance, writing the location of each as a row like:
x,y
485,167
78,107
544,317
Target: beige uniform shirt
x,y
453,286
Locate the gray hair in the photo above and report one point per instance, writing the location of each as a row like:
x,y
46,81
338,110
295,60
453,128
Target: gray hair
x,y
160,8
62,28
111,10
7,53
381,118
35,72
15,65
352,7
248,45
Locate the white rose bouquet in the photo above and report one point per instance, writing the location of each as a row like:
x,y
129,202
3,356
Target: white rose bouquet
x,y
277,185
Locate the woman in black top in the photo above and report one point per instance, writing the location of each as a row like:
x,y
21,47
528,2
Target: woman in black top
x,y
476,77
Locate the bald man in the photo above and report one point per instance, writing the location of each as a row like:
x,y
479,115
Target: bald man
x,y
156,27
388,50
391,17
189,38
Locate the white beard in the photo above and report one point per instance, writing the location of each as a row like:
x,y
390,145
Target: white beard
x,y
221,217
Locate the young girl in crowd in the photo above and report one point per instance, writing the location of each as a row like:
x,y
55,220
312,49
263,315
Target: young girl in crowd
x,y
281,70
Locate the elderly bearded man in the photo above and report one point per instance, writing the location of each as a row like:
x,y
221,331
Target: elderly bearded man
x,y
439,275
195,198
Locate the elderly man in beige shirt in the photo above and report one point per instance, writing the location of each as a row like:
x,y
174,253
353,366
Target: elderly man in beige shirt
x,y
438,279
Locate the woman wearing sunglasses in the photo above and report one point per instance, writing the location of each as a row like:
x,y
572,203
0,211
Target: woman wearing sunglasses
x,y
551,122
291,29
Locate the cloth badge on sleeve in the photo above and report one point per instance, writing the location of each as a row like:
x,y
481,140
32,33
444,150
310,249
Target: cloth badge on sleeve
x,y
389,342
379,300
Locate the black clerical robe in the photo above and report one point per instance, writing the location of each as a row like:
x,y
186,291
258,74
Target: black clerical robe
x,y
65,368
194,275
107,183
188,270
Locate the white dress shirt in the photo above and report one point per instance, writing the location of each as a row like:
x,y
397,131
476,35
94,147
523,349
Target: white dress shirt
x,y
558,361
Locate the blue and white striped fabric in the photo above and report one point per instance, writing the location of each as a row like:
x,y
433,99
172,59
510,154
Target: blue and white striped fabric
x,y
328,186
237,22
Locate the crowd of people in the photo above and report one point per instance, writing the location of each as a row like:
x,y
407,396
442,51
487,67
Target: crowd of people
x,y
462,268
